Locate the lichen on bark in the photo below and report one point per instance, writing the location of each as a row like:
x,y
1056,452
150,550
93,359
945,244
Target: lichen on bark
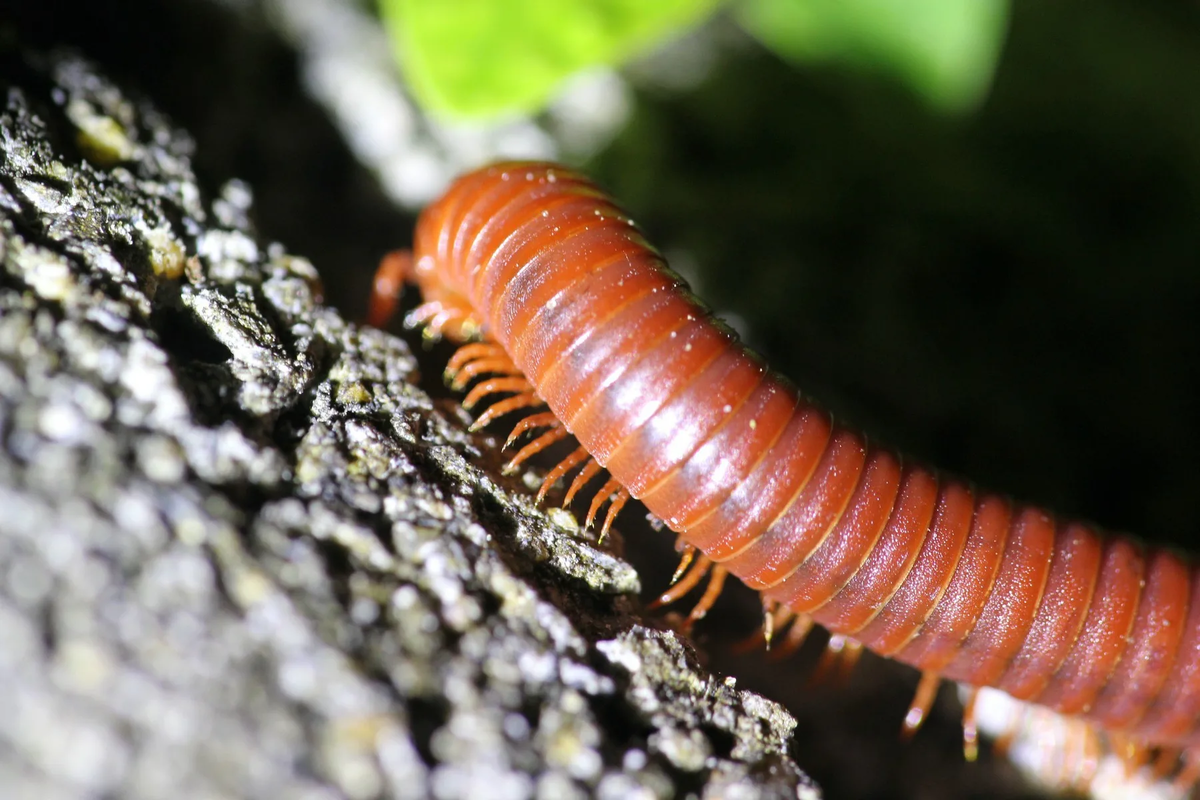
x,y
243,555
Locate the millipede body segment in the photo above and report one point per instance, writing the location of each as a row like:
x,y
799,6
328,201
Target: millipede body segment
x,y
572,307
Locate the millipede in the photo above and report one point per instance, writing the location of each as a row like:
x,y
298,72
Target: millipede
x,y
563,310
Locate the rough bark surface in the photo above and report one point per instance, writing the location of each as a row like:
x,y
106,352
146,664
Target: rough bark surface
x,y
241,555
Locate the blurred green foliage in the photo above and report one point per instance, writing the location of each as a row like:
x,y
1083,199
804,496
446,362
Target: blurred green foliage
x,y
489,57
486,57
945,50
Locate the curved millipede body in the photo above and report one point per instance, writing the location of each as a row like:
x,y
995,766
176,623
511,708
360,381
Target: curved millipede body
x,y
573,308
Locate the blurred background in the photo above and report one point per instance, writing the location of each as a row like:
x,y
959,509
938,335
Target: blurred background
x,y
969,228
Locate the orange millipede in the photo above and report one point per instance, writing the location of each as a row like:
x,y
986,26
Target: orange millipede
x,y
561,302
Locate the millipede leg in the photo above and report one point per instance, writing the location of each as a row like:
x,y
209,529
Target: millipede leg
x,y
970,727
590,470
770,607
1082,751
1003,742
800,626
618,502
1133,754
851,653
833,649
1189,776
505,406
562,468
1141,757
422,314
533,448
472,351
716,582
841,653
1165,763
1060,762
694,575
435,324
775,618
608,490
1093,752
533,422
685,559
394,270
922,702
483,366
495,386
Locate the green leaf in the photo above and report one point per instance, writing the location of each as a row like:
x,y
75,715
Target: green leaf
x,y
485,57
946,50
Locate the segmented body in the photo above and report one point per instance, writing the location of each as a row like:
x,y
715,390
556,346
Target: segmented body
x,y
577,310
